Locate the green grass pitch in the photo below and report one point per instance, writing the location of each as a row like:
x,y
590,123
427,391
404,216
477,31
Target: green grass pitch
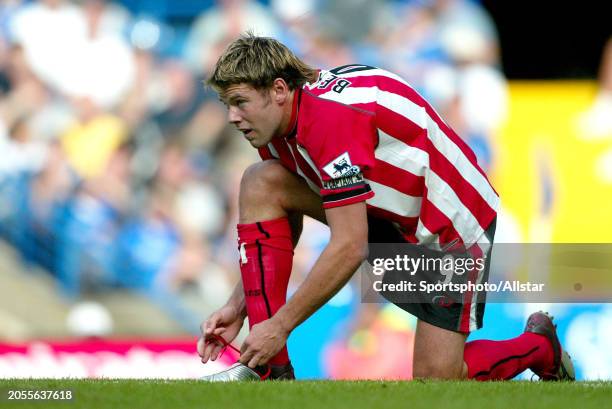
x,y
153,394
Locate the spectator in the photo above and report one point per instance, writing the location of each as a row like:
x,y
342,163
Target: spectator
x,y
219,25
90,142
87,233
50,32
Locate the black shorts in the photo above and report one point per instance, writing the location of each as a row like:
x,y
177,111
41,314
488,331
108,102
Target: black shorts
x,y
462,315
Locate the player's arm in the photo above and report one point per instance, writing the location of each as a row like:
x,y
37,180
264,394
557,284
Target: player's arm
x,y
346,250
236,300
225,322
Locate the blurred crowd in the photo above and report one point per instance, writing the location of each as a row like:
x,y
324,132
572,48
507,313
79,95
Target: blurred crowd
x,y
117,167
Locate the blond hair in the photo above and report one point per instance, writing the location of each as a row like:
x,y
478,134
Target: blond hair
x,y
258,61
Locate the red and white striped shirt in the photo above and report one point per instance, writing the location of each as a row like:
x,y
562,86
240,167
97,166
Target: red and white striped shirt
x,y
361,133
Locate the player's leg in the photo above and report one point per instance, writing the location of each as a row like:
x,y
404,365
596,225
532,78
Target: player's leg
x,y
443,354
269,191
438,352
538,349
271,203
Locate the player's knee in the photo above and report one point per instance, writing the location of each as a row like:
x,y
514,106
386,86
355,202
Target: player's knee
x,y
436,369
263,183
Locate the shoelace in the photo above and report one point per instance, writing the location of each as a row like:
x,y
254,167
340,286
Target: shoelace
x,y
225,345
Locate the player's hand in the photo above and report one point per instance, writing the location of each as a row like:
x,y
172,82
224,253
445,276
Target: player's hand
x,y
265,340
225,322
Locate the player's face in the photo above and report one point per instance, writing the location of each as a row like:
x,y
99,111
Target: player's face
x,y
256,113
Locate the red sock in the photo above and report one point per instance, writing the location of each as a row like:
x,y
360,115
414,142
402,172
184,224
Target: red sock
x,y
266,258
496,360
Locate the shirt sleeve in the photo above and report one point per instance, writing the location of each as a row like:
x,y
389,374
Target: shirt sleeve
x,y
341,141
